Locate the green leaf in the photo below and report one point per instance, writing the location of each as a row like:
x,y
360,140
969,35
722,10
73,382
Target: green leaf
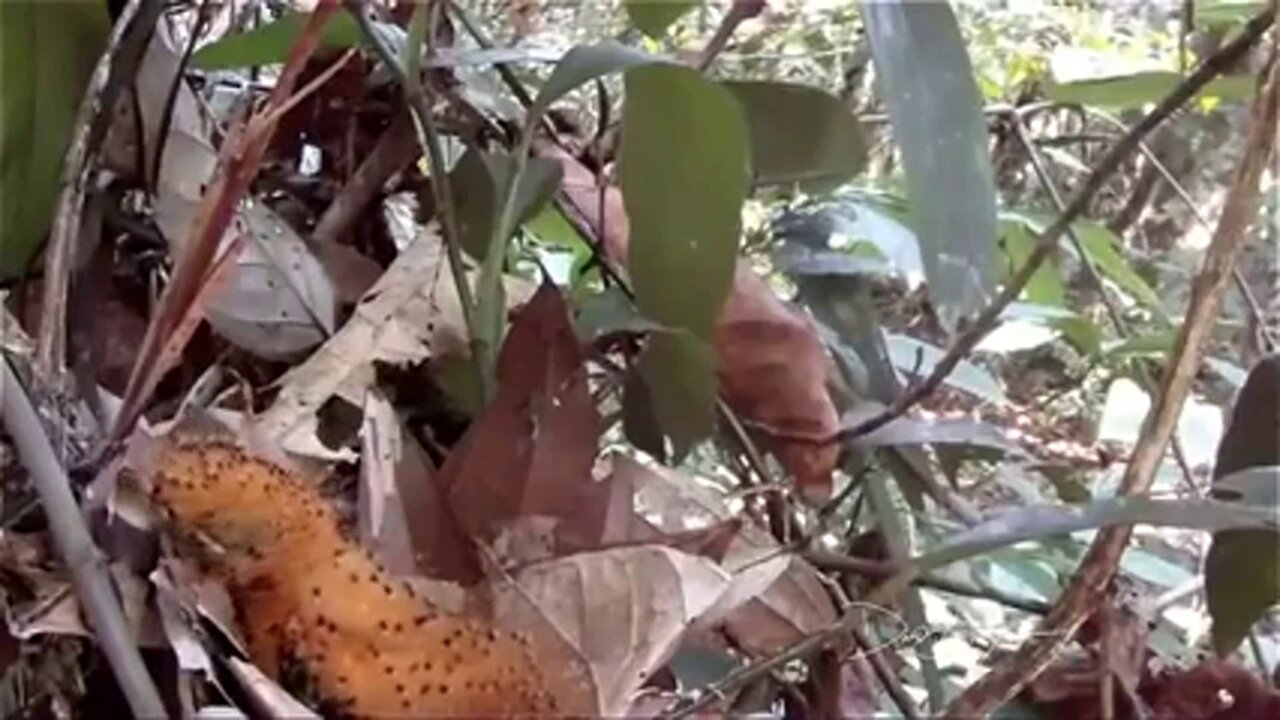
x,y
477,178
1157,344
1140,88
584,63
684,178
639,418
269,44
48,51
799,135
1038,522
1215,13
653,17
1018,240
934,108
1254,554
679,371
1103,249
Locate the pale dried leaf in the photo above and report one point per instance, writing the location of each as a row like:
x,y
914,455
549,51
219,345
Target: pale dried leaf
x,y
279,300
625,610
411,313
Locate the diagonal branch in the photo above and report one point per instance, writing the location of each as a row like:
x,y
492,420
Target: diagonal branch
x,y
1099,565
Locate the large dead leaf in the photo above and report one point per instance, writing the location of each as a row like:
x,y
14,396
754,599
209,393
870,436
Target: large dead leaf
x,y
531,452
777,598
772,366
625,610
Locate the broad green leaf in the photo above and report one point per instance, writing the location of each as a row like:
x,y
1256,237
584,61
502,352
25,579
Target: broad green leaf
x,y
47,52
684,178
1254,554
1140,88
269,44
653,17
584,63
679,372
1242,581
934,108
799,135
477,178
1103,249
911,355
1017,241
1155,344
1226,12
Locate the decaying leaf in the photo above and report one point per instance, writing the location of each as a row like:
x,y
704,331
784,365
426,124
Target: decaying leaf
x,y
279,300
531,452
625,609
411,313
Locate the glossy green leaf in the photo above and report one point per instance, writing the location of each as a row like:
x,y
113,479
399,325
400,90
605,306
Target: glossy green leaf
x,y
934,108
47,52
679,372
584,63
1103,249
269,44
1038,522
1140,88
653,17
684,178
799,135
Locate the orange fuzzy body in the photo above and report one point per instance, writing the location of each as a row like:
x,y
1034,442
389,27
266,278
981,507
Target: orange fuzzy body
x,y
304,593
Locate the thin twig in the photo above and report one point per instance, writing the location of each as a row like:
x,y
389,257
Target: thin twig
x,y
1099,565
1251,302
84,562
739,12
880,569
1145,379
124,49
392,153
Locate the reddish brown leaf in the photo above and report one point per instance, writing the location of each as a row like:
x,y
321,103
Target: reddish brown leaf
x,y
532,450
773,369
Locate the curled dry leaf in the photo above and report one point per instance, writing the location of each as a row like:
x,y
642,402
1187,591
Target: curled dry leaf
x,y
772,366
307,596
279,300
412,313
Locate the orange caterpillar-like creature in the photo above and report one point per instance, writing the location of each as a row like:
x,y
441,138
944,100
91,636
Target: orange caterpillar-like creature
x,y
306,595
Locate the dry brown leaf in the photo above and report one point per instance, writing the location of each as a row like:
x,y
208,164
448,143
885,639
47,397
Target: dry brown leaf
x,y
531,453
779,597
625,610
772,366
